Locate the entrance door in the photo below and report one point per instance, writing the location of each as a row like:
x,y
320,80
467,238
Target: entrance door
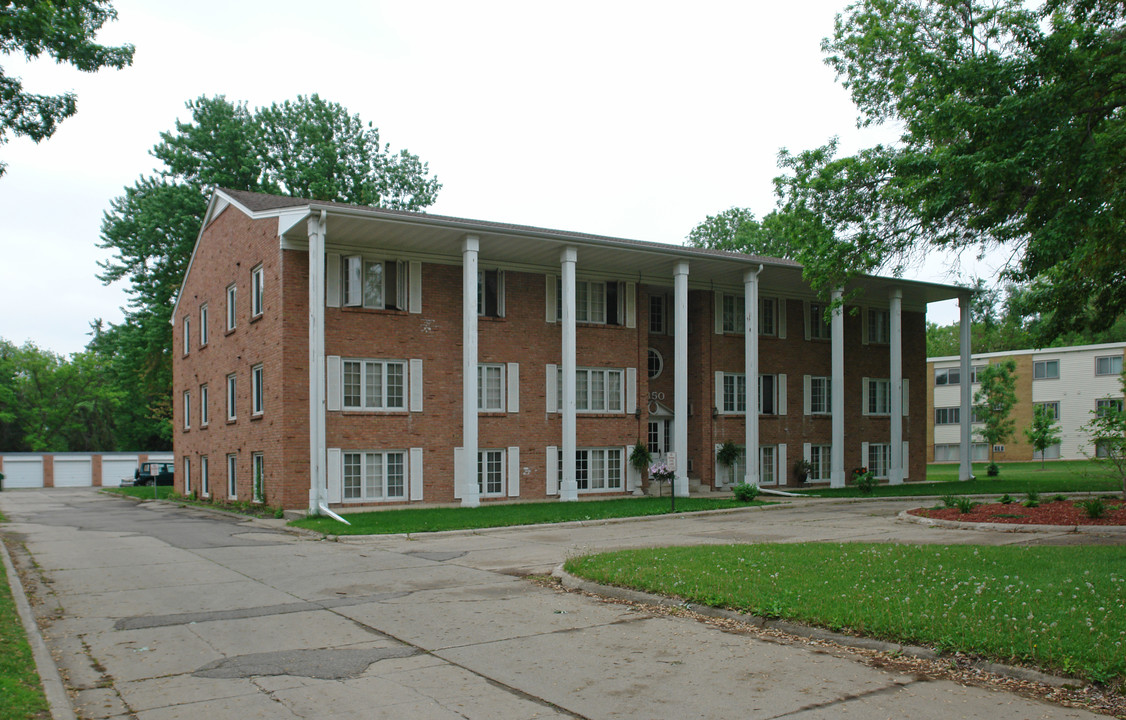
x,y
660,438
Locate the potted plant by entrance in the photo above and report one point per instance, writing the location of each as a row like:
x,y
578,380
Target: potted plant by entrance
x,y
728,454
640,458
802,469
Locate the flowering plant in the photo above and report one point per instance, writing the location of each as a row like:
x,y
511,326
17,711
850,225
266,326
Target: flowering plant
x,y
864,480
661,472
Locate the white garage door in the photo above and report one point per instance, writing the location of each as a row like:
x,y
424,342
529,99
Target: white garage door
x,y
23,472
74,471
116,469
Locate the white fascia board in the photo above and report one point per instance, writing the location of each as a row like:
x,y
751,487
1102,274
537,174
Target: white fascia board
x,y
1048,353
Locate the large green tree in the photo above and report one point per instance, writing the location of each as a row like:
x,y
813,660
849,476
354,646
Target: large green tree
x,y
737,230
63,30
994,401
1013,133
308,148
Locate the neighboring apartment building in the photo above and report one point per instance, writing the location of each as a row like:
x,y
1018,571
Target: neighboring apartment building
x,y
1070,382
421,358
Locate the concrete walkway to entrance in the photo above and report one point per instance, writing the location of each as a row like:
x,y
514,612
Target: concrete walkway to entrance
x,y
164,612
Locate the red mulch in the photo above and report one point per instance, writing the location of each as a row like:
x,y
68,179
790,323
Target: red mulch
x,y
1063,512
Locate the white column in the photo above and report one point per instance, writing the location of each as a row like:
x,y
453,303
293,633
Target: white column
x,y
895,472
965,467
470,494
680,379
750,368
318,479
569,489
836,453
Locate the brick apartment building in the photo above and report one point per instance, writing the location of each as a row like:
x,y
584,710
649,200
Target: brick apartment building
x,y
444,359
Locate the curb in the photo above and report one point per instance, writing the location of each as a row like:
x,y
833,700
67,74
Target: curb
x,y
808,632
49,677
906,516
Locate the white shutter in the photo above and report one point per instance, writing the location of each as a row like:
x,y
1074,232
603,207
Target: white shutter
x,y
906,462
416,385
549,298
513,379
719,392
906,394
335,388
807,385
459,474
631,390
863,326
402,289
334,474
807,451
415,305
781,318
332,280
416,473
552,480
631,305
513,472
863,397
864,455
552,388
718,297
500,293
781,394
781,473
633,477
354,269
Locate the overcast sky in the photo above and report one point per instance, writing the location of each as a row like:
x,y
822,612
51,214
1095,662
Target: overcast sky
x,y
629,119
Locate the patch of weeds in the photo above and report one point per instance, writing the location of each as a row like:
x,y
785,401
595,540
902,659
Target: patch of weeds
x,y
1094,507
1060,498
1032,499
949,501
1005,499
965,505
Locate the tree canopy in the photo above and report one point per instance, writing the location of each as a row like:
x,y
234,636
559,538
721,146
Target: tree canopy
x,y
64,30
736,230
308,148
1013,135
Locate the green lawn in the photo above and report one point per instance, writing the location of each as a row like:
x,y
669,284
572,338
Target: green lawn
x,y
1060,608
21,695
942,479
415,520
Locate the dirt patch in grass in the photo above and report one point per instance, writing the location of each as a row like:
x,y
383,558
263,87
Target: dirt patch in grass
x,y
1060,512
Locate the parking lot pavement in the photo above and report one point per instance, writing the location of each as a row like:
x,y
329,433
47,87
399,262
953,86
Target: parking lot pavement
x,y
156,611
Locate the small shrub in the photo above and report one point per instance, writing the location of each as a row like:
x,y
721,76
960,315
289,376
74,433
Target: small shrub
x,y
993,470
1005,499
1095,507
279,513
864,480
1060,498
949,501
1032,499
965,505
745,492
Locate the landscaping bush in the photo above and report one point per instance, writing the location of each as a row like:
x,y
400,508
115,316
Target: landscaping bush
x,y
1032,499
1095,507
1005,499
965,505
993,470
949,501
745,492
864,480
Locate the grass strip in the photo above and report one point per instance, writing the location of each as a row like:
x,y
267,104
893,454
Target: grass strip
x,y
21,694
416,520
1060,608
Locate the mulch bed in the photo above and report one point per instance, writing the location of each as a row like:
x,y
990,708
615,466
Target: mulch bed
x,y
1061,512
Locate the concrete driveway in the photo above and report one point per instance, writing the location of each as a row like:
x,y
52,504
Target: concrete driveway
x,y
162,612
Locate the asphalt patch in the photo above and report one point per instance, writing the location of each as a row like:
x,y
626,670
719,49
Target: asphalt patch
x,y
320,664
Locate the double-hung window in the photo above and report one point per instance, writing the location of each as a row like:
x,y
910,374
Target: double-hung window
x,y
768,394
767,316
377,284
657,314
734,311
597,469
374,384
256,390
232,307
187,334
820,395
257,279
1046,370
490,387
879,326
1108,365
597,390
204,413
204,480
734,393
203,325
258,476
1052,408
947,415
1107,406
490,293
879,459
819,327
187,475
372,476
232,476
947,376
187,409
767,466
879,396
596,302
490,473
232,399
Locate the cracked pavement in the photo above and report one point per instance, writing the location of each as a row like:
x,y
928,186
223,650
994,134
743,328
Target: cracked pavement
x,y
157,612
